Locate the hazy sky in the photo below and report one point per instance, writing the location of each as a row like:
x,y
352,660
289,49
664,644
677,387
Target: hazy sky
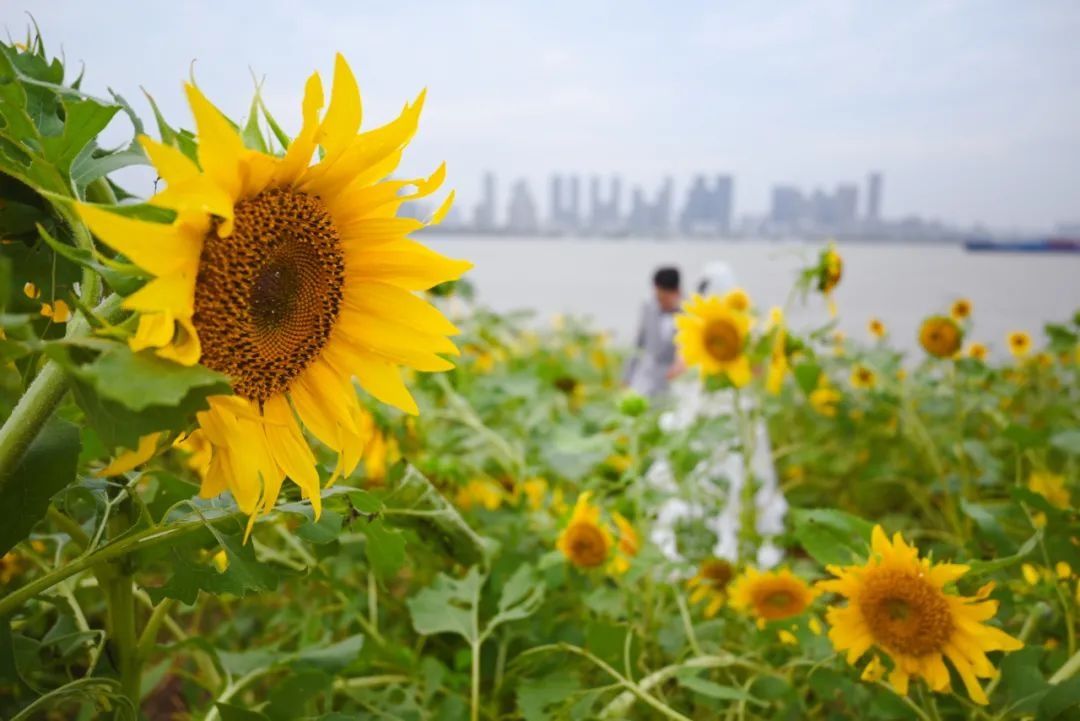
x,y
970,108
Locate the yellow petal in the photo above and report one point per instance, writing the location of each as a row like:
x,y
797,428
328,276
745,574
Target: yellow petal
x,y
377,376
220,146
407,264
298,156
342,120
171,164
394,304
128,460
154,331
158,248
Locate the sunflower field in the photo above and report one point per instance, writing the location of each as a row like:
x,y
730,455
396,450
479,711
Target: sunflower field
x,y
264,458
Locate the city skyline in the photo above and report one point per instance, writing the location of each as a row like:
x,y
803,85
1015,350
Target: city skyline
x,y
969,107
591,204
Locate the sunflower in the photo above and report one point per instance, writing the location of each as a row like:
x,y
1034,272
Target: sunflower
x,y
1019,343
941,337
292,279
738,300
712,337
710,584
876,328
825,400
534,490
960,309
480,492
897,603
863,377
1050,486
772,595
586,542
978,351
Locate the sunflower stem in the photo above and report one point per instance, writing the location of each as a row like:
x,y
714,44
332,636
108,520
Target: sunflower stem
x,y
120,623
40,400
1067,670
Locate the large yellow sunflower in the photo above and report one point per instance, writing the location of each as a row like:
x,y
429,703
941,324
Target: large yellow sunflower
x,y
292,279
585,541
712,337
770,595
898,603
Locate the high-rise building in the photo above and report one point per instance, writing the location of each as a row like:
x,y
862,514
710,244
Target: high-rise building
x,y
873,198
565,215
707,210
521,215
845,204
484,214
604,214
651,218
788,206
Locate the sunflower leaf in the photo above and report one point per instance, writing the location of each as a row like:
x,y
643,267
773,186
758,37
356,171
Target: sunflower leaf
x,y
831,536
449,605
143,379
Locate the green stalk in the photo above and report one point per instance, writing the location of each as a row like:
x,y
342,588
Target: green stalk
x,y
120,624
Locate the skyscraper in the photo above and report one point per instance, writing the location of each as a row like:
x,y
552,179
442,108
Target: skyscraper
x,y
707,210
846,204
788,206
484,214
521,215
565,215
873,198
604,214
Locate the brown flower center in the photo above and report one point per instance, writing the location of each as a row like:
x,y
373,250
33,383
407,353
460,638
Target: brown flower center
x,y
267,297
717,572
586,545
777,599
905,613
722,340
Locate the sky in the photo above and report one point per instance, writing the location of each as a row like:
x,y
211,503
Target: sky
x,y
970,109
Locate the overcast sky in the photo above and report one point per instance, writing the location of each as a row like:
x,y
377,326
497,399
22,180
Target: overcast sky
x,y
971,109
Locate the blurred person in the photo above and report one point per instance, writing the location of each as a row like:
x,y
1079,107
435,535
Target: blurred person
x,y
653,364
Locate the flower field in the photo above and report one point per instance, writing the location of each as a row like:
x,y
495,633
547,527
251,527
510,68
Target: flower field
x,y
264,457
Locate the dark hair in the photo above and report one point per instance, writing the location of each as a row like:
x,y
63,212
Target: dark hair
x,y
666,278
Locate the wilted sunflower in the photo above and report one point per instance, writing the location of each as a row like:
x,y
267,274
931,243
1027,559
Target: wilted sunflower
x,y
627,546
291,279
771,595
778,360
897,603
941,337
978,351
586,542
1019,343
960,309
876,328
710,584
712,337
830,271
863,377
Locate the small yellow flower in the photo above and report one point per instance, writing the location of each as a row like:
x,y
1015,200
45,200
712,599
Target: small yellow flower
x,y
876,328
585,541
863,377
1050,486
31,291
221,561
619,462
771,595
1019,343
628,544
1063,570
776,317
978,351
534,490
1031,574
737,300
480,492
961,309
830,271
825,401
815,626
787,637
58,311
11,567
710,584
941,337
778,361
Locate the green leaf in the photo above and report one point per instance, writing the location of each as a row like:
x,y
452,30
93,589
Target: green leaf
x,y
330,658
572,454
228,712
325,530
705,687
290,697
48,465
521,596
831,536
83,120
806,375
1068,441
536,697
1062,697
1023,436
144,379
979,568
245,574
385,548
448,606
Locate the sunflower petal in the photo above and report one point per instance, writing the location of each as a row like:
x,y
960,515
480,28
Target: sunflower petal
x,y
220,146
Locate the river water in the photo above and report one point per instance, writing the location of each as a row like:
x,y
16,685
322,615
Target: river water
x,y
607,280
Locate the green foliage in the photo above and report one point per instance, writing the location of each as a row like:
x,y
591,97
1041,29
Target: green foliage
x,y
46,467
